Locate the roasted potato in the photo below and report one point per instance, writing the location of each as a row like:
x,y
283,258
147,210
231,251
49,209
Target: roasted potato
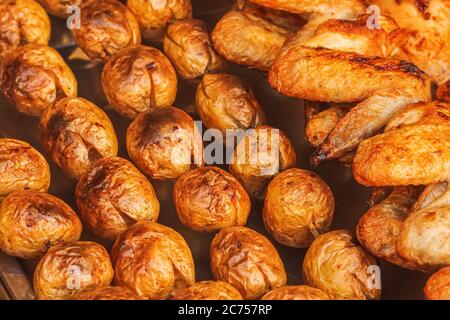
x,y
411,155
296,293
22,22
298,207
152,260
113,195
106,27
76,133
164,143
31,222
60,8
51,79
189,48
107,293
259,156
208,290
138,79
438,285
225,102
247,260
22,168
154,16
342,269
68,269
209,198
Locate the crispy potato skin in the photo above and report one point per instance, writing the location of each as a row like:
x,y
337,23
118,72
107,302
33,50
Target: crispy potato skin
x,y
107,293
22,22
443,92
162,143
52,78
152,260
31,222
296,293
106,27
225,102
188,46
411,155
298,206
247,260
76,133
379,228
138,79
208,290
59,8
154,17
68,269
336,265
113,195
209,198
438,285
424,36
259,156
22,168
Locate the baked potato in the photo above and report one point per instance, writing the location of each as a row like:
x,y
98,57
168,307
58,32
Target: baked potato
x,y
105,27
247,260
208,290
438,285
76,133
225,102
341,268
22,22
296,293
107,293
52,79
188,46
152,260
154,16
298,207
22,168
68,269
164,143
60,8
209,198
138,79
113,195
259,156
31,222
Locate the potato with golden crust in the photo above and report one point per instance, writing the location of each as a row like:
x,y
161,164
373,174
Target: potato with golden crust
x,y
259,156
107,293
209,198
22,168
76,133
298,207
208,290
411,155
113,195
154,16
52,79
247,260
31,222
341,268
152,260
106,27
296,293
138,79
225,102
68,269
60,8
22,22
438,285
164,143
188,46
